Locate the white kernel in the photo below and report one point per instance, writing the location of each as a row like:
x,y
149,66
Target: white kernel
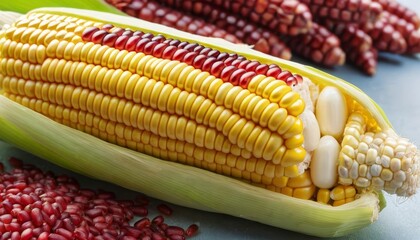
x,y
350,141
395,164
378,141
348,162
367,138
385,161
343,172
371,156
323,166
400,148
375,170
331,112
363,148
381,135
399,176
406,164
363,169
311,132
386,175
377,182
360,158
345,181
349,151
352,131
354,171
388,151
389,141
362,182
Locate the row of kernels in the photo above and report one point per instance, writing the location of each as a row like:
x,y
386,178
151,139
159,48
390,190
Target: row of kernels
x,y
41,36
25,52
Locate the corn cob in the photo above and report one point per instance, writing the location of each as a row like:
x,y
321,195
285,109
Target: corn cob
x,y
288,17
356,44
345,11
384,36
409,31
58,63
319,45
401,11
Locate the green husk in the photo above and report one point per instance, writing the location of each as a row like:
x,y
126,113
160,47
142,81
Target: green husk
x,y
180,184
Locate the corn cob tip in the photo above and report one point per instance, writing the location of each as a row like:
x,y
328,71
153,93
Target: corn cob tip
x,y
378,161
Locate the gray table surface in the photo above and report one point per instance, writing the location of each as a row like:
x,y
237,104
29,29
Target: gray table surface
x,y
395,88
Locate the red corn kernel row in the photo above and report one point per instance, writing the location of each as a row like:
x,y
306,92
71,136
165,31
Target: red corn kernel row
x,y
408,30
319,45
288,17
41,205
357,45
217,23
355,11
395,8
229,67
384,36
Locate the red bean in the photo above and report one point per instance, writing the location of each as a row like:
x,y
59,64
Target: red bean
x,y
64,232
158,220
139,210
142,223
6,218
26,234
174,230
56,208
191,230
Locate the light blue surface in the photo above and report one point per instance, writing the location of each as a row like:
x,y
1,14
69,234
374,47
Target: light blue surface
x,y
395,87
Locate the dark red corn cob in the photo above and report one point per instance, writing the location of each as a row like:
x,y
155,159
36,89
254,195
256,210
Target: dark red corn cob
x,y
384,36
234,29
229,67
356,44
263,40
319,45
366,60
408,30
356,11
289,17
395,8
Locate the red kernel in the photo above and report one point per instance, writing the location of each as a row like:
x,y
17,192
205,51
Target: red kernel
x,y
226,72
132,42
148,48
98,36
87,34
158,49
121,41
140,45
